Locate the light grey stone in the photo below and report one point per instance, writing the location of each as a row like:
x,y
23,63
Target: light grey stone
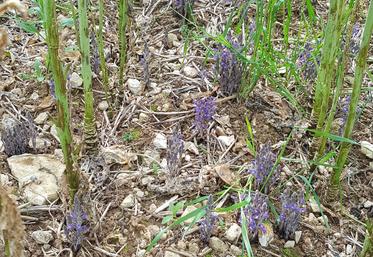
x,y
191,147
235,250
39,176
75,80
160,141
41,118
128,202
218,245
368,204
298,235
103,105
135,86
233,232
42,237
226,140
367,149
289,244
190,72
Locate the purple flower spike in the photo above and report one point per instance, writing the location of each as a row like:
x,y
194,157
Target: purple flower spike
x,y
307,64
207,224
355,39
264,161
205,109
75,228
174,152
291,212
257,213
229,68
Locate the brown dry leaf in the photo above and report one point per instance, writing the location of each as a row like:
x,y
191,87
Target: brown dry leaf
x,y
11,225
45,103
226,174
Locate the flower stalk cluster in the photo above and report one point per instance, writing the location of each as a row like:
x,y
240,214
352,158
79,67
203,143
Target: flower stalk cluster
x,y
230,69
205,109
75,228
256,213
263,164
291,212
174,152
207,224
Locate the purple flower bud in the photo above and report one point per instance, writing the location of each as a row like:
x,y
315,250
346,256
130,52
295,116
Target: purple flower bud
x,y
75,228
205,109
291,212
307,63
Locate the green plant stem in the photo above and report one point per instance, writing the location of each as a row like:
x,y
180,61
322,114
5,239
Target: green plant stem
x,y
359,74
339,84
327,64
90,132
75,19
367,250
123,20
104,70
63,116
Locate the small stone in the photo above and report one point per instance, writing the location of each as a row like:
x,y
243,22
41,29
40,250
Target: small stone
x,y
147,180
367,149
267,237
128,202
40,143
191,147
153,230
4,180
17,91
141,253
172,40
103,106
140,194
235,250
160,141
312,218
368,204
298,234
181,245
143,117
314,206
190,72
218,245
289,244
233,232
349,249
135,86
34,96
226,140
41,118
188,210
42,237
193,248
75,80
171,254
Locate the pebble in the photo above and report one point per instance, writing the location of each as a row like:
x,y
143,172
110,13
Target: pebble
x,y
147,180
128,202
190,72
349,249
141,253
143,117
17,91
172,40
40,143
41,118
42,237
194,248
103,106
314,206
233,232
181,245
298,235
75,80
160,141
191,147
235,250
54,132
34,96
135,86
226,140
368,204
367,149
218,245
289,244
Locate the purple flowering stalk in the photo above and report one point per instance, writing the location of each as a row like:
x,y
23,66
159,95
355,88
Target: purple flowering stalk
x,y
256,213
206,225
75,228
174,151
205,109
230,69
307,64
263,164
355,39
291,213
